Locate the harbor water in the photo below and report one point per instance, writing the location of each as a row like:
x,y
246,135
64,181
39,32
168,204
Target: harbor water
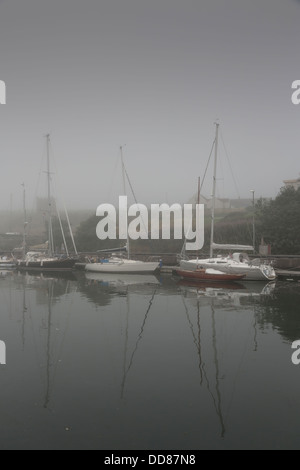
x,y
142,362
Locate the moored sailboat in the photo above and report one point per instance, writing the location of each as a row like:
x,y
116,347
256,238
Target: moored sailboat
x,y
237,263
7,263
123,265
47,260
42,262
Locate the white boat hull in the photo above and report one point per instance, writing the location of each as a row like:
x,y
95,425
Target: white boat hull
x,y
251,272
7,266
123,266
7,263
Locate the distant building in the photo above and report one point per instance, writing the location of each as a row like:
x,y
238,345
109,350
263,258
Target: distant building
x,y
223,204
292,183
240,204
194,200
220,204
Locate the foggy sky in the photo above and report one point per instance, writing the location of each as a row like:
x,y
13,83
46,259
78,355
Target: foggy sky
x,y
152,76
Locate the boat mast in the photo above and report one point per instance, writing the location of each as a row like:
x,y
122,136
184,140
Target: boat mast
x,y
50,231
198,201
214,191
25,221
124,189
10,213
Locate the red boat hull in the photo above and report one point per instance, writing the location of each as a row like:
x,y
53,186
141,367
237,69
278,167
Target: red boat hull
x,y
202,275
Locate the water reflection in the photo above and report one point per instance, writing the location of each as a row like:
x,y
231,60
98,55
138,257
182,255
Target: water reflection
x,y
5,274
213,390
215,298
41,294
123,280
280,310
235,294
102,288
128,363
121,357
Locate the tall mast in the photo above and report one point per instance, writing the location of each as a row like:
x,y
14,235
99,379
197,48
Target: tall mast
x,y
198,198
50,232
124,189
214,191
25,221
10,213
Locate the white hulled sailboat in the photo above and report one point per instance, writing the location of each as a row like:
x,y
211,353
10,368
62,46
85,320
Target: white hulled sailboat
x,y
122,265
236,263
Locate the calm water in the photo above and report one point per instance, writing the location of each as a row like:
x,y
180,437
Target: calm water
x,y
146,363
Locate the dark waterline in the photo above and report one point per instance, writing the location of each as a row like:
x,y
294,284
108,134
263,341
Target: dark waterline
x,y
99,362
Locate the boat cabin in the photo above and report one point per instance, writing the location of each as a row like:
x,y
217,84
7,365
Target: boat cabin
x,y
241,258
